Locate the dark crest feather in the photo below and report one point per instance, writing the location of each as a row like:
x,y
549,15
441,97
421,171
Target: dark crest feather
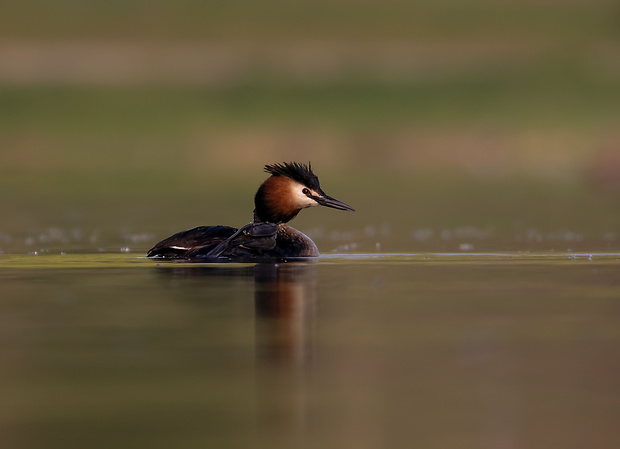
x,y
297,172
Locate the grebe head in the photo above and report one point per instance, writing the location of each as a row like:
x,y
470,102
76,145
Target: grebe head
x,y
290,188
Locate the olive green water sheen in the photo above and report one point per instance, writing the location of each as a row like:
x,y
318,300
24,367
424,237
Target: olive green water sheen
x,y
490,350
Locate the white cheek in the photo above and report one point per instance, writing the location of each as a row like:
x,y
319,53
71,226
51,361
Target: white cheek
x,y
301,200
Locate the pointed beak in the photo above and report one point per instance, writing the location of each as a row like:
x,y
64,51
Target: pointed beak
x,y
331,202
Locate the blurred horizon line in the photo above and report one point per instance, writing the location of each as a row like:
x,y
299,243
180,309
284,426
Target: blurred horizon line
x,y
129,63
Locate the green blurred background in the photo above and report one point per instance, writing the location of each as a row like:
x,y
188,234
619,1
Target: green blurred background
x,y
449,125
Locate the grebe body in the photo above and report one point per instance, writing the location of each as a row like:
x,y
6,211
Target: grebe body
x,y
290,188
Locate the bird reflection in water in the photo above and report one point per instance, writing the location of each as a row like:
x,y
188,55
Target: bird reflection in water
x,y
284,302
285,299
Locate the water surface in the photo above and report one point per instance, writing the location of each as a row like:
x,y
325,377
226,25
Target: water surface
x,y
493,350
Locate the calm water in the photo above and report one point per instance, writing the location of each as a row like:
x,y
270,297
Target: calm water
x,y
465,351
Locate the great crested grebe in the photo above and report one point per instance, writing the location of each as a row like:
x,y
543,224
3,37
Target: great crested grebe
x,y
290,188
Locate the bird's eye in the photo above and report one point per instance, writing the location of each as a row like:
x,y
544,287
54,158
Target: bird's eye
x,y
305,191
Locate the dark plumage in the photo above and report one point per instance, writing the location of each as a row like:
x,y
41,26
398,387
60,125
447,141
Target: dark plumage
x,y
291,187
297,172
193,241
